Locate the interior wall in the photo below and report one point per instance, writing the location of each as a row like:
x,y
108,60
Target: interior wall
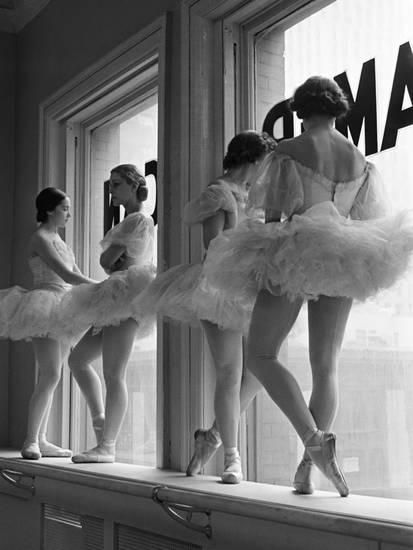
x,y
62,41
7,89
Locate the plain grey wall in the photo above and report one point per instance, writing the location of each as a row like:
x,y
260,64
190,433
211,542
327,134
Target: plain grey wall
x,y
7,95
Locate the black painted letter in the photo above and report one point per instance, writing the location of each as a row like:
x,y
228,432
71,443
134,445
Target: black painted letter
x,y
280,110
396,117
363,108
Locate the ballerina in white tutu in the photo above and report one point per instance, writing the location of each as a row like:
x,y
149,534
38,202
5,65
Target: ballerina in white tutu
x,y
31,314
326,240
179,294
127,257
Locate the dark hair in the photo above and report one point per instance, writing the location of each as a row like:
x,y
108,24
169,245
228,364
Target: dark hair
x,y
247,147
319,95
47,200
131,174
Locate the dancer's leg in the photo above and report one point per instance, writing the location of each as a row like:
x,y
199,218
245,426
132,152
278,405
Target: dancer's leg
x,y
208,441
272,320
48,449
250,386
48,359
117,344
226,352
87,350
327,320
117,347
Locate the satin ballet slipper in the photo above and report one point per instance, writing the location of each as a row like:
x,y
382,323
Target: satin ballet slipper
x,y
302,479
31,451
206,445
97,454
49,450
232,473
323,454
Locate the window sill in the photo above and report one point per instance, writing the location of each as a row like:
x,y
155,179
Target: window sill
x,y
360,516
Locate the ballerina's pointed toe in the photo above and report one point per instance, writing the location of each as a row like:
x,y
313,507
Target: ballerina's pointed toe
x,y
206,445
302,480
324,457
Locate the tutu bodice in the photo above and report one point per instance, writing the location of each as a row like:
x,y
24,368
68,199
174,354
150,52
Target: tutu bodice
x,y
43,275
219,195
136,234
27,314
289,187
180,293
326,234
109,302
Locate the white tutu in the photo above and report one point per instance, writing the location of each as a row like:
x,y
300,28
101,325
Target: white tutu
x,y
170,294
107,303
182,295
317,253
27,314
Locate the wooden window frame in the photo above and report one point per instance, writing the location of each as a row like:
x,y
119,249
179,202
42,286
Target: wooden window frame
x,y
111,84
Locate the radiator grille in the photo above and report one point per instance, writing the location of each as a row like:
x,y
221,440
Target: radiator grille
x,y
64,530
129,538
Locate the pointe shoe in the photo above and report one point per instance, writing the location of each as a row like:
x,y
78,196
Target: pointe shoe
x,y
94,455
49,450
206,445
324,457
31,451
302,480
232,473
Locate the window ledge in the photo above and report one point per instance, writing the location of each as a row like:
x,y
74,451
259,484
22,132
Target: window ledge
x,y
362,516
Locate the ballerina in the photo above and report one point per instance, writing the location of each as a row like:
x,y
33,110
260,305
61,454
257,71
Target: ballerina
x,y
106,307
31,314
326,240
179,293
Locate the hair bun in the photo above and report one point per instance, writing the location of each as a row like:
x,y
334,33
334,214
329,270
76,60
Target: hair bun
x,y
46,201
142,192
247,147
319,95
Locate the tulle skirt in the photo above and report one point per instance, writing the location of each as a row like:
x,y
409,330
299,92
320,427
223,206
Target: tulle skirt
x,y
317,253
181,294
107,303
27,314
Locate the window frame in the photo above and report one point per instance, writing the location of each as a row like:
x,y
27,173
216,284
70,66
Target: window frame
x,y
69,114
217,72
231,53
79,138
191,391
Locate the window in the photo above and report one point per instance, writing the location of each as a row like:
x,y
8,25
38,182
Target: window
x,y
367,48
127,138
106,116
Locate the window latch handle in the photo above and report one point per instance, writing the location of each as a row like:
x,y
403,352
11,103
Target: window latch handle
x,y
17,480
183,513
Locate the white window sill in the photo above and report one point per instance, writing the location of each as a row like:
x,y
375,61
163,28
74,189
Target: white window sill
x,y
361,516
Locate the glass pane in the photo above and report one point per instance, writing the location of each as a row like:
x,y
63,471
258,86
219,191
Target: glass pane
x,y
131,138
367,45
